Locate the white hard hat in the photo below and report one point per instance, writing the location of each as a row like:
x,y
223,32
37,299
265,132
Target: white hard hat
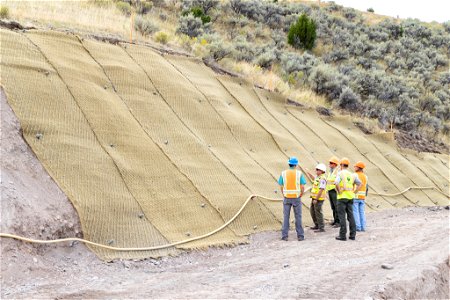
x,y
321,167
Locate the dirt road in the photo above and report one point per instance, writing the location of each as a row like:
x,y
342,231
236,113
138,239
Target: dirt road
x,y
414,241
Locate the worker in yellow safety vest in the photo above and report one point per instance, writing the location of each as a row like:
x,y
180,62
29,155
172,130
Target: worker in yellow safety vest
x,y
318,197
331,188
346,184
292,184
360,197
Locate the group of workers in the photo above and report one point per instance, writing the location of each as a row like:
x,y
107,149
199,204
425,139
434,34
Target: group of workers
x,y
346,191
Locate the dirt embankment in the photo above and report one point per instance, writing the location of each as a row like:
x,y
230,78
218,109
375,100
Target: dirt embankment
x,y
31,202
413,242
419,143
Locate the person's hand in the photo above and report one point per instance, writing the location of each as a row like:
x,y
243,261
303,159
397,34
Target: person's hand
x,y
314,201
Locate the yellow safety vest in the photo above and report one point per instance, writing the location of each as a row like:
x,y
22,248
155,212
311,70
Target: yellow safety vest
x,y
361,192
346,185
315,188
331,179
291,183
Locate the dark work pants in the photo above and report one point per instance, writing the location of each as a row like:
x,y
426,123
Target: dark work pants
x,y
317,214
333,202
345,207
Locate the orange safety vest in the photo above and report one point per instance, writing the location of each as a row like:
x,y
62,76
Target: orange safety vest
x,y
361,192
291,183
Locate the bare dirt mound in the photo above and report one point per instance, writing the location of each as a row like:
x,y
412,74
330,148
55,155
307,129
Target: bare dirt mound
x,y
31,202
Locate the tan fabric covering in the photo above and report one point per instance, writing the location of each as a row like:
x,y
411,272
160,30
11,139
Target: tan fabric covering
x,y
155,149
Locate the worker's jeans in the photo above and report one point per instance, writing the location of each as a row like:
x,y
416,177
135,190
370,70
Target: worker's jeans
x,y
359,215
317,214
297,205
332,194
345,207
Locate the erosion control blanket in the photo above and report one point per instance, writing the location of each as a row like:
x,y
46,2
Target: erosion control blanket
x,y
155,149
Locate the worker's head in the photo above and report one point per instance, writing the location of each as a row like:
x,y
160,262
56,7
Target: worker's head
x,y
320,169
293,162
334,161
359,166
344,163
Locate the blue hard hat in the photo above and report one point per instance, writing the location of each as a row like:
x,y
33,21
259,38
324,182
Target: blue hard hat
x,y
293,161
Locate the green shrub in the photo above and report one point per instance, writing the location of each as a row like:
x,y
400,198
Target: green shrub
x,y
302,34
143,7
124,7
4,12
198,13
145,26
161,37
371,10
190,26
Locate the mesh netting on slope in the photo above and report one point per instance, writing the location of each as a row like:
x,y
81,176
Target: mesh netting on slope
x,y
153,149
60,134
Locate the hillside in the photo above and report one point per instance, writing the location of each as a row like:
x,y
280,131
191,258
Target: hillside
x,y
158,135
392,73
163,146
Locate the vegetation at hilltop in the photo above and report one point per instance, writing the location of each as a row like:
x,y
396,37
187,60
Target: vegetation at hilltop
x,y
395,71
392,70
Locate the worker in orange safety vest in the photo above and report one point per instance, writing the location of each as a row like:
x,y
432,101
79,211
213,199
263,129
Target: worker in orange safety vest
x,y
292,184
360,197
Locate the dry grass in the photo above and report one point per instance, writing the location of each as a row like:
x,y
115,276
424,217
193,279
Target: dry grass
x,y
83,15
87,16
272,81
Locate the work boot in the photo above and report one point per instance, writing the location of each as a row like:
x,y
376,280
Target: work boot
x,y
301,239
320,230
314,228
284,238
341,238
352,238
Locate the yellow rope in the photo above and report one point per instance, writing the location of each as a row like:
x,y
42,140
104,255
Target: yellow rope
x,y
7,235
12,236
411,188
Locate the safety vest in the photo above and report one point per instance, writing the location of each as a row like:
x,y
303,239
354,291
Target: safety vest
x,y
361,192
330,179
291,183
346,185
315,188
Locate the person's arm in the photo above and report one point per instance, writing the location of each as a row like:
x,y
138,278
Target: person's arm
x,y
356,183
310,175
336,183
281,183
302,185
367,189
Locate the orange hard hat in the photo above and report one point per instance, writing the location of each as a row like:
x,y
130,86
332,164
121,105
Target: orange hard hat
x,y
344,161
334,160
360,165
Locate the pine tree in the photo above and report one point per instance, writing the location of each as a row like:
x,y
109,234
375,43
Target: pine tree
x,y
302,34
